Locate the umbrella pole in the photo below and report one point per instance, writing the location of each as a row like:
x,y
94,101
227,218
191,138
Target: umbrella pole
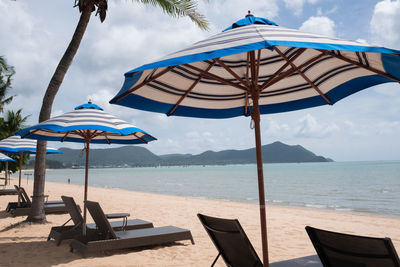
x,y
19,180
86,186
261,193
6,175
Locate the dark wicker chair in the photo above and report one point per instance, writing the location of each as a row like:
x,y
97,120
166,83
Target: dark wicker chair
x,y
107,238
60,233
23,208
231,242
344,250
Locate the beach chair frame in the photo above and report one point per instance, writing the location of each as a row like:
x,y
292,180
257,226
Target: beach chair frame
x,y
231,241
63,232
345,250
108,239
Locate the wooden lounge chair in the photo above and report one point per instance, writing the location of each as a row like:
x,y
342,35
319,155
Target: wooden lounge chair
x,y
10,191
231,242
26,202
59,233
24,207
343,250
108,239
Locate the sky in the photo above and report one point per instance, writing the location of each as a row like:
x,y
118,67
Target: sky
x,y
35,34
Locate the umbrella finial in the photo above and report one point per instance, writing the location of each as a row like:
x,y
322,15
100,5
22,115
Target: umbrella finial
x,y
249,14
90,101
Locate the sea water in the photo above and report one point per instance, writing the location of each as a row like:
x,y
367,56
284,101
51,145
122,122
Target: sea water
x,y
360,187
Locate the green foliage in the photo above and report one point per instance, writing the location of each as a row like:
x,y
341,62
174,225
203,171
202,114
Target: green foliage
x,y
6,73
174,8
12,122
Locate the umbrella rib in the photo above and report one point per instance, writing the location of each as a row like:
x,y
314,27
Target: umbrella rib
x,y
258,65
232,73
304,76
276,74
29,134
139,138
384,74
65,136
144,83
172,110
215,77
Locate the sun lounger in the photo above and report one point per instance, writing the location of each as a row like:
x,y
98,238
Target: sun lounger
x,y
4,192
307,261
25,201
24,207
59,233
231,242
343,250
108,239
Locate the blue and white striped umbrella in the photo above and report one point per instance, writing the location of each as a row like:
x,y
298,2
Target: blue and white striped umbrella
x,y
88,123
5,158
16,145
256,67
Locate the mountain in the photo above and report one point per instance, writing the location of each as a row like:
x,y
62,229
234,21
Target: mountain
x,y
276,152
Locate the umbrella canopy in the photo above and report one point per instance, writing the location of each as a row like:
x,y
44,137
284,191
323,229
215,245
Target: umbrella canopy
x,y
5,159
88,123
16,145
256,67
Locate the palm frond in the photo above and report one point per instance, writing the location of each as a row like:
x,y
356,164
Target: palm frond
x,y
180,8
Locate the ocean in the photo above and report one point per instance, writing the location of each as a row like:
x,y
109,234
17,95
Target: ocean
x,y
358,187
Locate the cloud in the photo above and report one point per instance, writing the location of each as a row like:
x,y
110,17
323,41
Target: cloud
x,y
296,6
309,127
385,23
319,25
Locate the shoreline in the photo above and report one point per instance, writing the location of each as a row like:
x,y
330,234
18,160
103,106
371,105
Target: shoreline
x,y
27,245
236,201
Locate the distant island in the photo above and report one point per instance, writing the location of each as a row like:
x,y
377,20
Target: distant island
x,y
136,156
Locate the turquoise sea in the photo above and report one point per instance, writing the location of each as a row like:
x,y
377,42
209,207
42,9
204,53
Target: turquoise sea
x,y
360,187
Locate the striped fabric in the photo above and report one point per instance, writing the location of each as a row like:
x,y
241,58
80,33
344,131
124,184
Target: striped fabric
x,y
87,120
338,68
15,145
5,158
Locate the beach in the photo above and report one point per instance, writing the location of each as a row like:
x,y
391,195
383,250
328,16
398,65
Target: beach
x,y
26,245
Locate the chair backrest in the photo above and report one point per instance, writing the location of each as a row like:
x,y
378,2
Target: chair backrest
x,y
22,194
343,250
231,241
73,210
100,219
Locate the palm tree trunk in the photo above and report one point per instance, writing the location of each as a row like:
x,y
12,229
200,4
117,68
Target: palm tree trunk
x,y
37,210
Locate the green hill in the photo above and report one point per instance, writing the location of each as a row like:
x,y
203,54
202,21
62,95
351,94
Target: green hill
x,y
131,156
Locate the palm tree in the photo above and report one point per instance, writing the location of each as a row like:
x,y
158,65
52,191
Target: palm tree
x,y
174,8
6,73
12,122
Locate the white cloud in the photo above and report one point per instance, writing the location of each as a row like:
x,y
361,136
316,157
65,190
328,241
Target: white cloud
x,y
309,127
319,25
296,6
385,23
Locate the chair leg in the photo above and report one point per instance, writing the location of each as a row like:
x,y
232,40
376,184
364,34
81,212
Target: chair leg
x,y
219,254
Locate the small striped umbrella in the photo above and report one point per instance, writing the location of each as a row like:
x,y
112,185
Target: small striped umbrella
x,y
5,159
16,145
88,123
256,67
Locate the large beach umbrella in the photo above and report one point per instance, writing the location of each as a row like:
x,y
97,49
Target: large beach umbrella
x,y
16,145
5,159
256,67
88,123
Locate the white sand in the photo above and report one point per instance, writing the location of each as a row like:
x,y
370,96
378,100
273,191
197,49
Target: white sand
x,y
26,245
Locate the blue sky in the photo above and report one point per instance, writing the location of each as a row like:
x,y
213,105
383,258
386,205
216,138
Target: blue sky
x,y
34,35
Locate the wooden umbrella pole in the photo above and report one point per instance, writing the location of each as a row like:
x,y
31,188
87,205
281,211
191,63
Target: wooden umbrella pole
x,y
6,174
86,186
19,179
261,192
